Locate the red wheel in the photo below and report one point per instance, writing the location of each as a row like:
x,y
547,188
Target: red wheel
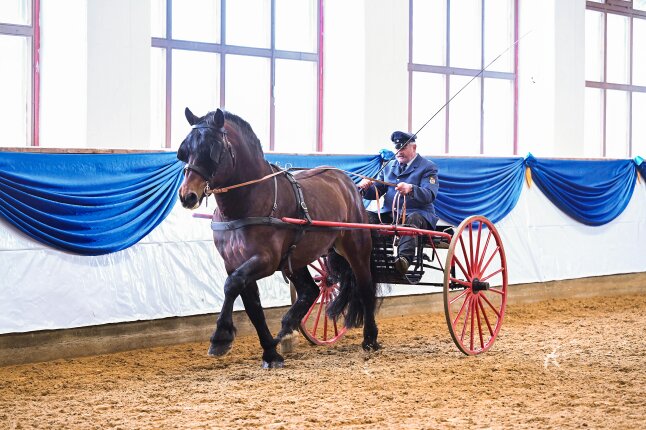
x,y
316,326
475,285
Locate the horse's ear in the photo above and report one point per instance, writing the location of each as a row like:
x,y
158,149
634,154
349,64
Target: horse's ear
x,y
219,118
192,119
182,152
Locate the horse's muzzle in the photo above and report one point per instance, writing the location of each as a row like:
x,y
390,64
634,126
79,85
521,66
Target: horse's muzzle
x,y
190,200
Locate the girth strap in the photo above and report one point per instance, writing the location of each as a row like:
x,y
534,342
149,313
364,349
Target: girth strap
x,y
298,193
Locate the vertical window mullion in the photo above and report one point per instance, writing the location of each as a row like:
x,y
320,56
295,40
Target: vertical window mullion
x,y
169,69
272,79
447,94
35,74
482,80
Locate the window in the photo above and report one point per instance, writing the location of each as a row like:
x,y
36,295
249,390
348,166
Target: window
x,y
19,39
204,56
615,73
450,43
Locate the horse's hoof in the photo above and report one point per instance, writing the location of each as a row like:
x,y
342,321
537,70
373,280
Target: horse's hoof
x,y
371,346
219,349
287,343
273,365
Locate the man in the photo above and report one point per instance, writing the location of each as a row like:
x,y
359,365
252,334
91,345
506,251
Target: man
x,y
416,179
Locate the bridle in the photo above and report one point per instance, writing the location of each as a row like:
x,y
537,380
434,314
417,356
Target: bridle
x,y
217,158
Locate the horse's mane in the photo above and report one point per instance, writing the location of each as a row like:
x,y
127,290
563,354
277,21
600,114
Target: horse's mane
x,y
245,128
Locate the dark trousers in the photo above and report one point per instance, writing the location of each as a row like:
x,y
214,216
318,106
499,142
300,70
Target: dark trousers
x,y
407,244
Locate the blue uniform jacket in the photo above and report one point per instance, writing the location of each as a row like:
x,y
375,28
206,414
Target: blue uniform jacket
x,y
422,174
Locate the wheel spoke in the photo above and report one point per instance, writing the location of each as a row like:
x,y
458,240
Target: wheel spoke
x,y
484,314
484,252
461,282
477,312
492,274
493,308
466,319
454,299
493,254
476,258
457,317
318,269
466,259
472,333
497,291
471,246
464,272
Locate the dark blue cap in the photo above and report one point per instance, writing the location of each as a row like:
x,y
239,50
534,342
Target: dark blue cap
x,y
402,137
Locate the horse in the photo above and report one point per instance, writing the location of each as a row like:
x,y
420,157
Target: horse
x,y
222,153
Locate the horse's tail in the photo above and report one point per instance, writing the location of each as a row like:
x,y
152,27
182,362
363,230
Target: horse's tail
x,y
349,297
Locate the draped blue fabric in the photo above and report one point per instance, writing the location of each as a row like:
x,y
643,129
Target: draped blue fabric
x,y
641,166
478,186
95,204
89,204
593,192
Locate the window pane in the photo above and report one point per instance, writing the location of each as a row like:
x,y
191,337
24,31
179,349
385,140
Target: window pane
x,y
465,34
639,125
499,35
197,20
639,4
618,47
428,97
247,92
158,97
593,125
617,124
249,23
593,46
464,117
639,52
429,32
15,87
498,117
296,25
196,85
15,12
158,18
295,98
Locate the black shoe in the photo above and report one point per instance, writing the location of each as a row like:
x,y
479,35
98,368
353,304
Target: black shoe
x,y
401,264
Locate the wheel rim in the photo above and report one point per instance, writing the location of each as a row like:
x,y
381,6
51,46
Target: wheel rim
x,y
475,285
316,326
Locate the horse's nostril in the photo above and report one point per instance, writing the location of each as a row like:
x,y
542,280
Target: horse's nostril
x,y
189,200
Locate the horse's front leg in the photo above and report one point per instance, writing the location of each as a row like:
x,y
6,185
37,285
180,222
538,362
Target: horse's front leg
x,y
251,299
222,339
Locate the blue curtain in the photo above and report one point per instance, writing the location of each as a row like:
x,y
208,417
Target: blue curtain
x,y
590,191
89,204
641,166
478,186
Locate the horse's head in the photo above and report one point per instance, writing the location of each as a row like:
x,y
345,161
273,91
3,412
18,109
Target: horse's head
x,y
208,156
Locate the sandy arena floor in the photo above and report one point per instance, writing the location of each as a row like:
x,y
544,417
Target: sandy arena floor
x,y
557,364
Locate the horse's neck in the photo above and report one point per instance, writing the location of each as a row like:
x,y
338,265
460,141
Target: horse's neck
x,y
255,199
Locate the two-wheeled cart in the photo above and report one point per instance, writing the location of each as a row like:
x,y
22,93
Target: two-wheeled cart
x,y
474,279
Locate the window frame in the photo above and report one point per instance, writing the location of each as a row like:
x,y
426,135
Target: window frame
x,y
222,49
624,8
33,32
481,74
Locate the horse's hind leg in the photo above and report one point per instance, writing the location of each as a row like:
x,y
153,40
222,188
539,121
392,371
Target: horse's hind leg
x,y
356,250
307,292
251,300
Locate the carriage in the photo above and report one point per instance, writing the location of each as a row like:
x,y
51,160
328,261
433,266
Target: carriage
x,y
262,224
473,275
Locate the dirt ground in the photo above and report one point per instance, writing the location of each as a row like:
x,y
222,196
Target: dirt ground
x,y
556,364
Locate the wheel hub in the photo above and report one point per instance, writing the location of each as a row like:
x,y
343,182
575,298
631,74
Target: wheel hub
x,y
477,285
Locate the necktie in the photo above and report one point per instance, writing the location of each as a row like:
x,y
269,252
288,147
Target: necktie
x,y
402,167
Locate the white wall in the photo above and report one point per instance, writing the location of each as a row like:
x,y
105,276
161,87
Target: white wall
x,y
95,89
102,87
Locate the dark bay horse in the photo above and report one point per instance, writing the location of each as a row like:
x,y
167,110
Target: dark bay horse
x,y
222,150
